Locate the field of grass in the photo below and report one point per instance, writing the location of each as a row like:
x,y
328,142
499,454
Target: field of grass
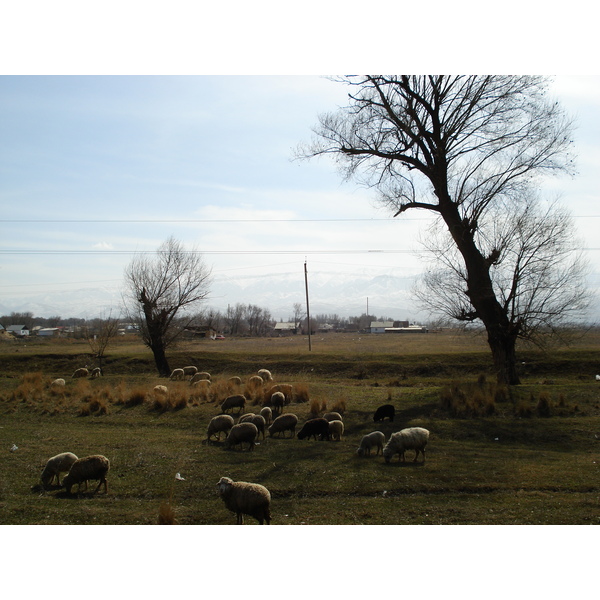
x,y
523,456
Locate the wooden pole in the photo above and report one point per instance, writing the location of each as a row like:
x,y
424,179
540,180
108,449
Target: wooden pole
x,y
307,305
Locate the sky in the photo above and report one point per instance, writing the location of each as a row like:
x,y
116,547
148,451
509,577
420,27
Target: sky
x,y
95,168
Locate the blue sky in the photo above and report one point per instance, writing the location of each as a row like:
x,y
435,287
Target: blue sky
x,y
93,168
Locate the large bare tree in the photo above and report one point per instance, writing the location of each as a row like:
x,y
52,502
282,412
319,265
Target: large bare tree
x,y
160,291
457,146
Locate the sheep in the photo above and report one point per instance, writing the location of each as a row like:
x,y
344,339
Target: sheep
x,y
58,385
176,375
245,498
267,414
284,423
265,375
237,401
218,424
333,416
277,401
255,381
411,438
83,372
83,469
314,427
202,376
258,420
336,430
285,388
240,433
375,438
387,411
160,390
61,463
96,372
190,370
235,380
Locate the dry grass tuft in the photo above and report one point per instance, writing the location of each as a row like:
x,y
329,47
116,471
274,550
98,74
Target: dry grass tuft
x,y
301,393
339,406
467,400
166,514
314,408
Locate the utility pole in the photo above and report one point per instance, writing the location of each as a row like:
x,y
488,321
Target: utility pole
x,y
307,306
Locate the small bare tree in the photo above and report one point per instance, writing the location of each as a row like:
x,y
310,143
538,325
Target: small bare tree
x,y
159,292
100,334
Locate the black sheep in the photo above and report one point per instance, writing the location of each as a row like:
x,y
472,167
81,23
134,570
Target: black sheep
x,y
383,412
316,427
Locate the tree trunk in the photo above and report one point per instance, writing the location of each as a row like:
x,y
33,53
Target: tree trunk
x,y
160,358
502,345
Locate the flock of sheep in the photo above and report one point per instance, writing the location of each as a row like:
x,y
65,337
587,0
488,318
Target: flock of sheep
x,y
243,498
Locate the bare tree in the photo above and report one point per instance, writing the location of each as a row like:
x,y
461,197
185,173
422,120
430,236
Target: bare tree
x,y
160,291
456,146
100,334
299,314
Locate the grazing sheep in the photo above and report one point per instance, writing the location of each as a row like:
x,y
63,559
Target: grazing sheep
x,y
96,372
201,383
190,370
277,401
202,376
387,411
161,390
258,420
336,430
267,414
255,381
176,375
285,388
218,424
314,427
83,372
61,463
93,467
58,385
375,438
411,438
235,380
245,498
265,375
240,433
231,402
333,416
284,423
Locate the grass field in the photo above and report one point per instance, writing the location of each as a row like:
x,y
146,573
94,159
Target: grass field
x,y
523,456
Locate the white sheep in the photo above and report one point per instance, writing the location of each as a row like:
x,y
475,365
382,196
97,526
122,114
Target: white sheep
x,y
284,423
218,424
61,463
93,467
235,380
176,375
96,372
231,402
373,439
58,385
267,414
333,416
242,433
255,382
412,438
83,372
202,376
190,370
285,388
243,498
161,390
265,375
336,430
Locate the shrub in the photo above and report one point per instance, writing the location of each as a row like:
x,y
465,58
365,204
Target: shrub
x,y
301,393
469,400
314,408
339,406
543,406
135,397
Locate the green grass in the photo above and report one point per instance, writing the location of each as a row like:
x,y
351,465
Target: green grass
x,y
513,466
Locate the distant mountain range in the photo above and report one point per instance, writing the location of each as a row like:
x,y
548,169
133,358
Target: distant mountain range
x,y
343,294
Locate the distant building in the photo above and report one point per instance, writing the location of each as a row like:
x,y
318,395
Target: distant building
x,y
48,332
380,326
285,329
18,330
409,329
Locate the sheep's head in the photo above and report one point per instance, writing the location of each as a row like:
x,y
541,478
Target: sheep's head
x,y
387,454
224,485
360,451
